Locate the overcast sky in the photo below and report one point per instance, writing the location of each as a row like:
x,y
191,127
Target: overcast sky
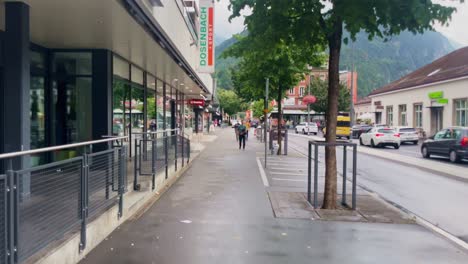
x,y
457,30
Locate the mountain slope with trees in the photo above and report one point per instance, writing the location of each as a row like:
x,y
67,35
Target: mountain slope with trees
x,y
377,62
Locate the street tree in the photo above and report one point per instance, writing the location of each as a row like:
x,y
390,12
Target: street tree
x,y
313,22
264,55
319,89
258,108
230,102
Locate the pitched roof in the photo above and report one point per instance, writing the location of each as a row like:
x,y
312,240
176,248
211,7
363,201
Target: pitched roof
x,y
364,100
451,66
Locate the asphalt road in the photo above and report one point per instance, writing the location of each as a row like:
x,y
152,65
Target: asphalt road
x,y
411,150
436,198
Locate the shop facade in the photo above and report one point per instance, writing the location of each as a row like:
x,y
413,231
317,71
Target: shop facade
x,y
74,71
430,98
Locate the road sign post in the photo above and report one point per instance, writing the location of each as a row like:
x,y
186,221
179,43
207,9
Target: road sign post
x,y
266,119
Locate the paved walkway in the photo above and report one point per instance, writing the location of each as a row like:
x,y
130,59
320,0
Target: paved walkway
x,y
219,212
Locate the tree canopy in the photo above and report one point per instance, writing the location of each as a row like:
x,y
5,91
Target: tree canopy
x,y
306,24
230,102
319,89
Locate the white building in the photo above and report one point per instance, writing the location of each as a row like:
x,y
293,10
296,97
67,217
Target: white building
x,y
430,98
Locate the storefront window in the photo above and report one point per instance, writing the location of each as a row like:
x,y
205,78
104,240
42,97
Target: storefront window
x,y
121,105
167,101
37,117
159,105
461,112
151,103
137,107
72,63
121,68
72,100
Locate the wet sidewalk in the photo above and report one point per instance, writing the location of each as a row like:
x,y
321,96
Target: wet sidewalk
x,y
219,212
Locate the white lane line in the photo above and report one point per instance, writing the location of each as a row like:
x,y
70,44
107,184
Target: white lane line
x,y
289,164
262,173
288,173
287,168
293,180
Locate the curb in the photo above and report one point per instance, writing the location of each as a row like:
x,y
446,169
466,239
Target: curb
x,y
421,221
418,219
406,160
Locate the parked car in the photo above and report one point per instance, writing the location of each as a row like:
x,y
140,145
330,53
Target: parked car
x,y
357,130
408,135
450,142
380,137
306,128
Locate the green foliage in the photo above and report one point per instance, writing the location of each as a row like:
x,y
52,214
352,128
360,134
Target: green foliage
x,y
309,23
258,107
377,62
319,89
230,102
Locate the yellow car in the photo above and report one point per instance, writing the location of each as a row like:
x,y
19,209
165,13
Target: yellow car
x,y
343,127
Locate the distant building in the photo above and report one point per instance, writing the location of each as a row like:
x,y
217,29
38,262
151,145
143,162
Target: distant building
x,y
430,98
349,79
363,110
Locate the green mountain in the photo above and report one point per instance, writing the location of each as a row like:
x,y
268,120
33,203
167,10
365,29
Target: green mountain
x,y
377,62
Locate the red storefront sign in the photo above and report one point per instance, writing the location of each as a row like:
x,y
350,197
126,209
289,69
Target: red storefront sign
x,y
196,102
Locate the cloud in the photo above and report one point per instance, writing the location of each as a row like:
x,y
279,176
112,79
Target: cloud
x,y
456,30
224,28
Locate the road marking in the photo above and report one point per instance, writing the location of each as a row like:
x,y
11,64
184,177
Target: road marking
x,y
287,168
262,173
288,173
279,179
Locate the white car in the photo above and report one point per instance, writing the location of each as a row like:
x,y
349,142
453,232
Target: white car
x,y
306,128
379,137
408,134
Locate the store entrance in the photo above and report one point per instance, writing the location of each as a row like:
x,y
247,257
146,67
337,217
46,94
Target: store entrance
x,y
437,114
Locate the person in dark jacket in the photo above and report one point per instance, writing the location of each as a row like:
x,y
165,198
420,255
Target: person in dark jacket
x,y
242,134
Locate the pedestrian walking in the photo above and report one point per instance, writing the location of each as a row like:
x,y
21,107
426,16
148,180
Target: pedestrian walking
x,y
242,134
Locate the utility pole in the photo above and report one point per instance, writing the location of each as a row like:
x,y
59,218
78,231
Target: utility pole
x,y
308,105
265,116
351,106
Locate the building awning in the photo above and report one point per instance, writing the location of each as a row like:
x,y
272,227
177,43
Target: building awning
x,y
106,24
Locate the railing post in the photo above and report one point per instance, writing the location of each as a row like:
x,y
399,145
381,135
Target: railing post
x,y
175,150
188,151
166,153
84,201
315,175
182,149
343,194
136,186
354,176
309,173
153,162
286,142
122,173
12,196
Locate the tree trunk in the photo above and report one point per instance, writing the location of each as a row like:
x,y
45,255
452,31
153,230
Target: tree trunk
x,y
280,120
334,44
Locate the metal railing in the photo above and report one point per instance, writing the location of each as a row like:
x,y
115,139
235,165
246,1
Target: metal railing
x,y
259,134
155,151
273,136
44,203
345,145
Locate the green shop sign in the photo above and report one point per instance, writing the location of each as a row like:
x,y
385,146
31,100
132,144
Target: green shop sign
x,y
442,101
436,95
